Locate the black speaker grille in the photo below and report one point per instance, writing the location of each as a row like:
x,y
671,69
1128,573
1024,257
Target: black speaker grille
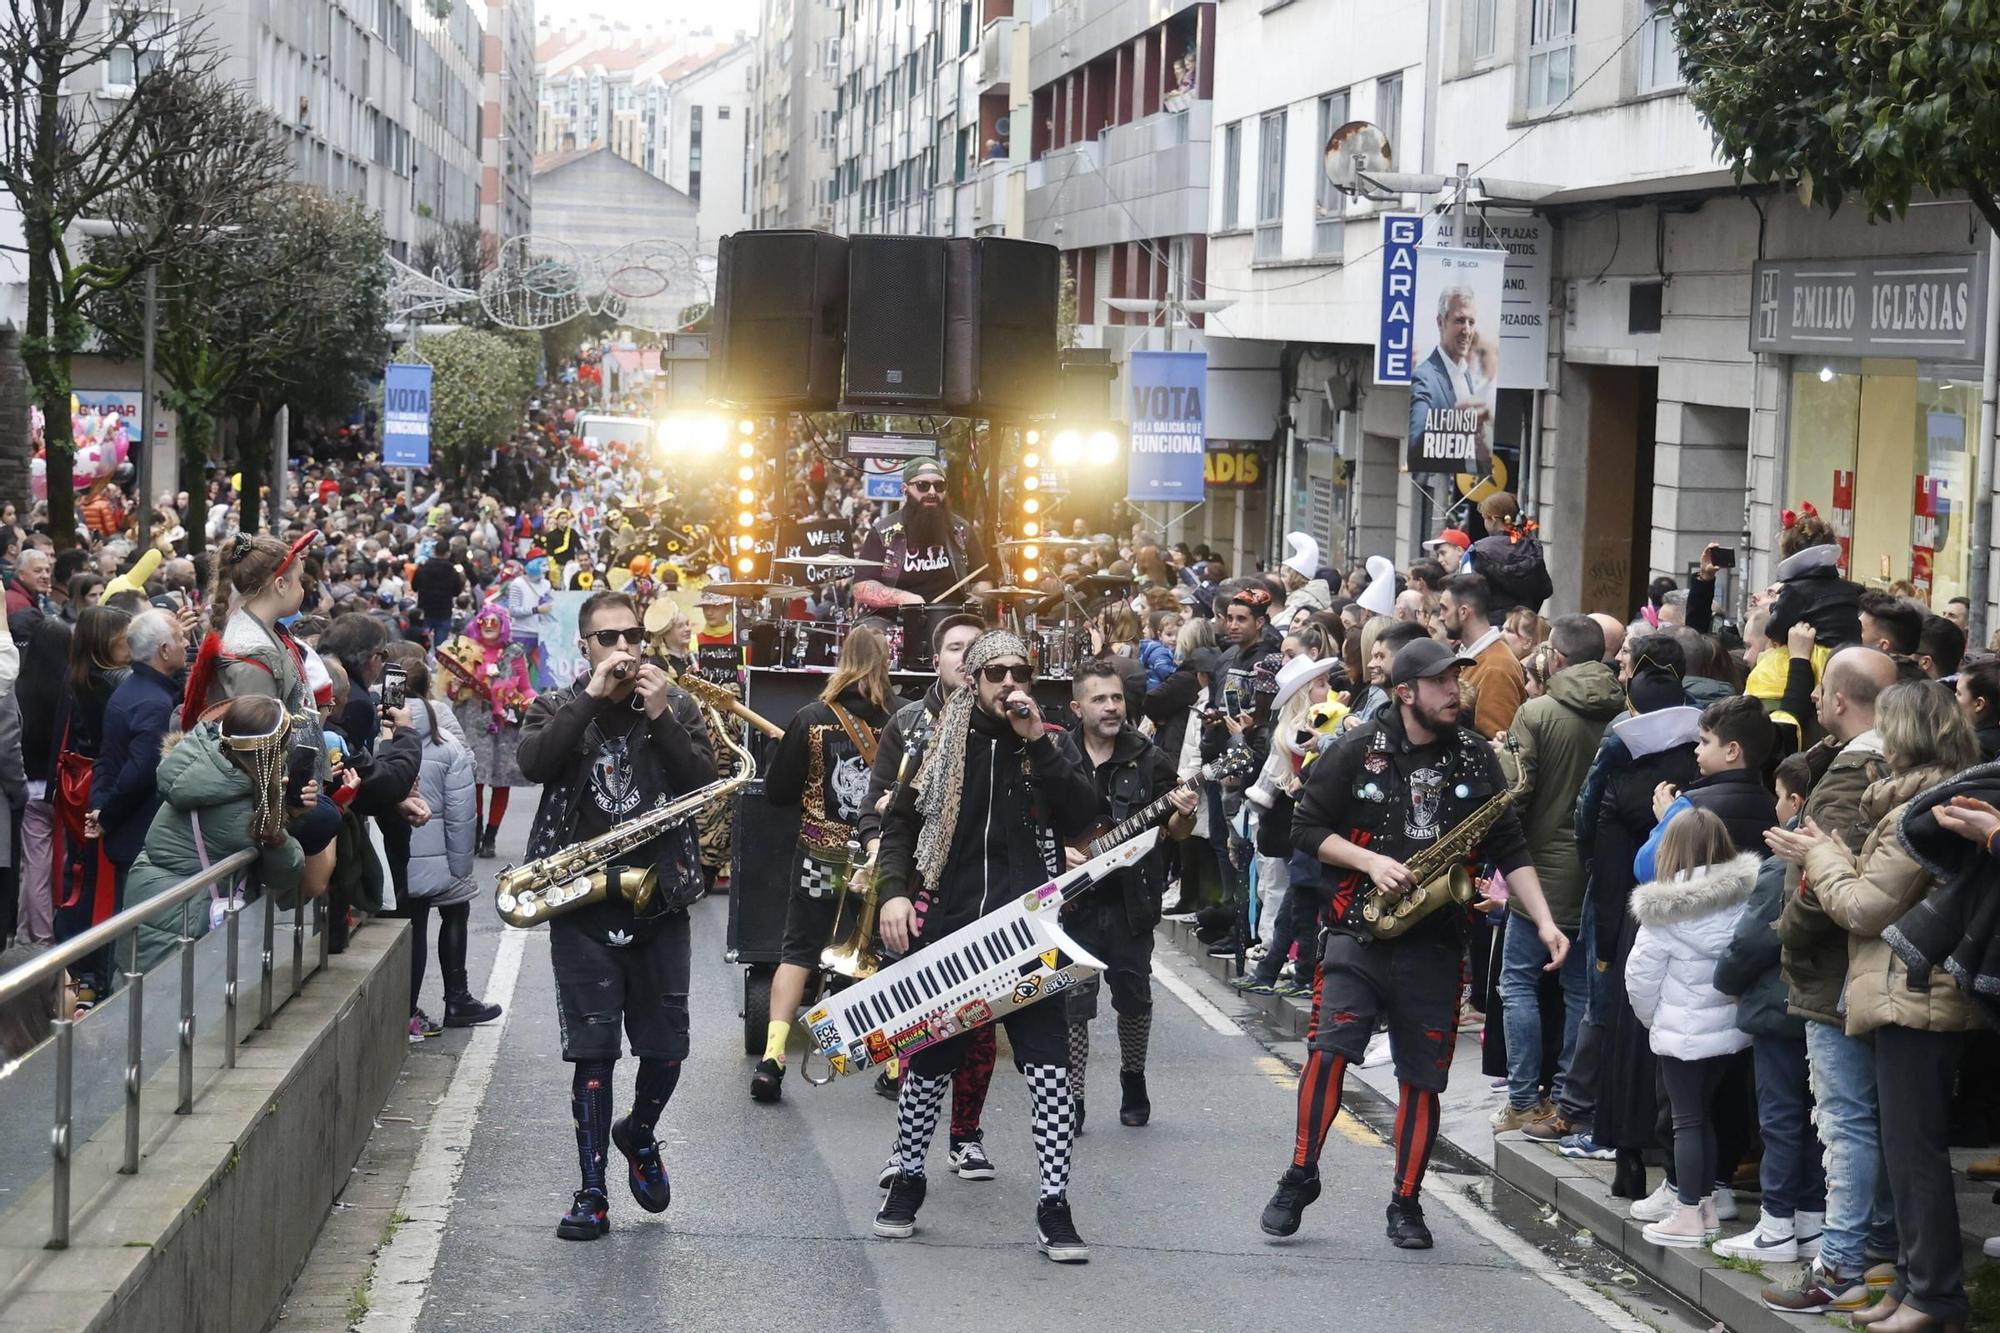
x,y
778,318
895,319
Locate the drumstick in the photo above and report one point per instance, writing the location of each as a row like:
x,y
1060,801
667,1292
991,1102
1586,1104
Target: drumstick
x,y
961,583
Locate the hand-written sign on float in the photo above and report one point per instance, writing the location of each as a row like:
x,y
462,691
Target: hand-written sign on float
x,y
1169,426
818,536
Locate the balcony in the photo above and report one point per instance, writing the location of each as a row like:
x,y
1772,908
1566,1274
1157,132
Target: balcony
x,y
996,55
1145,179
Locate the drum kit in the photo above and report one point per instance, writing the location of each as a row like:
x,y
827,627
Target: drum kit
x,y
1051,619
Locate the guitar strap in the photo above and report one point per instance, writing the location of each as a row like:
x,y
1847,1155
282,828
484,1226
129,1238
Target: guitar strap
x,y
860,733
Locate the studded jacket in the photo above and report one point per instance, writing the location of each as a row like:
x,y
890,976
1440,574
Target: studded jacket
x,y
1381,791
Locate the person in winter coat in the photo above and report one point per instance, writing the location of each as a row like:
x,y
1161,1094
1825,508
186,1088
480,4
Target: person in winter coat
x,y
1734,740
1553,740
1687,918
1510,558
437,583
1979,695
440,867
1793,1210
124,789
1810,586
224,785
1156,650
1300,572
1917,1022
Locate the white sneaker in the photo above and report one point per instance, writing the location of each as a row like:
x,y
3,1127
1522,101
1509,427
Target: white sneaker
x,y
1656,1206
1377,1052
1725,1204
1992,1247
1807,1226
1773,1239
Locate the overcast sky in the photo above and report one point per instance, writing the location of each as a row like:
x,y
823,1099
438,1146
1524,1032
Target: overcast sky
x,y
725,15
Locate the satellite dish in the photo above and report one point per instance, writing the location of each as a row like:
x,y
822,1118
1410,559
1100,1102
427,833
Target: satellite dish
x,y
1358,147
1001,126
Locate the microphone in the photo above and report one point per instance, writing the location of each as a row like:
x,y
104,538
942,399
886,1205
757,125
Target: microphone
x,y
621,670
1019,709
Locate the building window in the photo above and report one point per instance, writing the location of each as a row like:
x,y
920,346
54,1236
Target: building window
x,y
147,43
694,154
1659,54
1475,30
722,113
1270,185
1232,174
1551,53
1389,113
1328,202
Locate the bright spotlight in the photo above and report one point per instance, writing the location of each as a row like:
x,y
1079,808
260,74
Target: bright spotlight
x,y
1032,438
1031,505
746,519
1103,447
746,565
1031,575
1031,482
745,473
746,496
1032,462
1031,552
746,427
1067,447
1031,529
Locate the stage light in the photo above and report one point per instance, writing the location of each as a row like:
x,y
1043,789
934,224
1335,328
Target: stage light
x,y
746,427
1067,447
1103,447
1031,552
1031,529
746,519
1031,482
745,473
746,496
747,565
1031,575
1031,439
746,450
1031,505
1032,462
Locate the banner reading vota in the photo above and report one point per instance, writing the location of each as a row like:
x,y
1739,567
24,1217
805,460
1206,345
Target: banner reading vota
x,y
1455,379
406,416
1164,460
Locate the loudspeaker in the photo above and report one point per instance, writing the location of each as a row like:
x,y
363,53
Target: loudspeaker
x,y
1000,358
896,321
781,299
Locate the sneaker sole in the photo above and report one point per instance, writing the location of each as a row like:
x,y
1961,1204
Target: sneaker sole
x,y
1676,1242
564,1231
1775,1254
895,1230
886,1179
1064,1254
974,1173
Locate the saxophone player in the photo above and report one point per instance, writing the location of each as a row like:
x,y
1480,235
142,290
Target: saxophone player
x,y
607,748
1389,790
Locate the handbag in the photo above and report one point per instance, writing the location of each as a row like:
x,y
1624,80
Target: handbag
x,y
72,792
220,904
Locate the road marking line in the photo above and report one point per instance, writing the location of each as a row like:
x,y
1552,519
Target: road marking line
x,y
400,1280
1196,1001
1492,1230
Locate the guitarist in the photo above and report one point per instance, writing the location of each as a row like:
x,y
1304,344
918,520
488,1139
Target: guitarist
x,y
1115,920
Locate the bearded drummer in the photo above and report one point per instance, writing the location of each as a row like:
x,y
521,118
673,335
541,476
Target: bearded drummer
x,y
925,549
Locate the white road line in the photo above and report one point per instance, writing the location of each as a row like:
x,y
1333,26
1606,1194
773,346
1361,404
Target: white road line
x,y
1195,1000
1482,1223
400,1281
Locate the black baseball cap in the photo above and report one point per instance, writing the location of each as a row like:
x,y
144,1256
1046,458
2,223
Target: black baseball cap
x,y
1423,659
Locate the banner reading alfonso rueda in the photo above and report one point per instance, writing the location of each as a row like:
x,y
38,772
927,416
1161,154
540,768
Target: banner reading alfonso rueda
x,y
1164,461
1457,345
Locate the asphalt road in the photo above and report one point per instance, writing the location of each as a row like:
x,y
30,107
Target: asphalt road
x,y
771,1211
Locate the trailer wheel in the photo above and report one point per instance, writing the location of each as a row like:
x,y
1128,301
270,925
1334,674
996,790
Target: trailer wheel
x,y
756,1008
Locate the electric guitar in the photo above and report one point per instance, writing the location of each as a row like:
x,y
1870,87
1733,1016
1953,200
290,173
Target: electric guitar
x,y
1107,834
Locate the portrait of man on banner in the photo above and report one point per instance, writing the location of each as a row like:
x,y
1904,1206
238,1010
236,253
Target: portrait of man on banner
x,y
1455,385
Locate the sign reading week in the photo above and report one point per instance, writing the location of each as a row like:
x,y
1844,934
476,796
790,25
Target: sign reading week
x,y
406,416
1169,426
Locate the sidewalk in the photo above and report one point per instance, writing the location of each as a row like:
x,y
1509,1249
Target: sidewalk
x,y
1580,1191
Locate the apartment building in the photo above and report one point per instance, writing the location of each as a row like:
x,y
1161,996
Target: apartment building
x,y
507,118
791,153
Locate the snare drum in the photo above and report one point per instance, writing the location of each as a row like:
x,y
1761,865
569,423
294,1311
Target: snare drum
x,y
1057,650
918,622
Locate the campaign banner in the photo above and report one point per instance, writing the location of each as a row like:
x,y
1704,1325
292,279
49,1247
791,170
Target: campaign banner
x,y
1169,426
1396,330
1522,317
1455,383
406,416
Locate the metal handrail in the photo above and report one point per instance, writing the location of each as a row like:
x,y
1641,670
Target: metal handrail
x,y
125,925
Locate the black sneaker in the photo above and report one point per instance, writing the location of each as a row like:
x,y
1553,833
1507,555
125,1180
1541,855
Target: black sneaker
x,y
768,1083
1077,1102
1055,1233
970,1162
888,1087
1298,1187
644,1170
1136,1108
588,1218
468,1010
897,1219
1406,1225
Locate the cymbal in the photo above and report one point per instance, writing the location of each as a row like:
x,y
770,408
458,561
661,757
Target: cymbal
x,y
1053,543
1011,596
754,590
827,562
1102,582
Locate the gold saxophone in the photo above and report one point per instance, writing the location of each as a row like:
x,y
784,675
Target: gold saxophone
x,y
1439,869
850,952
576,876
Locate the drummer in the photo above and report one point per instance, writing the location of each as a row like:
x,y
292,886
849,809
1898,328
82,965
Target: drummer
x,y
925,549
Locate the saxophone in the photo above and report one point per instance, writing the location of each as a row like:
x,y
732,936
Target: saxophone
x,y
575,876
1439,869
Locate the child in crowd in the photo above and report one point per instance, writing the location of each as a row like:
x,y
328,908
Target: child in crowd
x,y
1687,917
1734,740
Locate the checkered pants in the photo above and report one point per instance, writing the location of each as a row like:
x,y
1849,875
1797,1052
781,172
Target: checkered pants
x,y
1135,1033
1053,1121
1079,1055
918,1102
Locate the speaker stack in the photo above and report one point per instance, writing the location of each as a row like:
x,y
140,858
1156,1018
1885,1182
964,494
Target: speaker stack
x,y
953,325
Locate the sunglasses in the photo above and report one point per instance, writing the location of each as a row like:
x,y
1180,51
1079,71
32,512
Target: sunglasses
x,y
923,487
610,638
1018,672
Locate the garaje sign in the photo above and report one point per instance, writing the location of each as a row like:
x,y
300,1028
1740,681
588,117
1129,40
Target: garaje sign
x,y
1519,321
1916,307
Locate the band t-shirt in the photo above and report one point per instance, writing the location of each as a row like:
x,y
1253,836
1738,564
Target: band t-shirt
x,y
928,571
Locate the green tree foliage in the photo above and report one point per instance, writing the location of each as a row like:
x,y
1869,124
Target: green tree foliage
x,y
1875,100
480,386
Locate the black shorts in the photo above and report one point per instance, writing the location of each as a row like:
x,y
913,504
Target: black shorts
x,y
1127,955
644,984
1413,982
1039,1035
808,927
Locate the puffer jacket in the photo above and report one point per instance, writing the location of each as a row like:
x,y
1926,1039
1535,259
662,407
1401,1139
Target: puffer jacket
x,y
1812,590
1159,660
1685,925
1814,949
1866,895
198,779
1748,968
441,862
1558,735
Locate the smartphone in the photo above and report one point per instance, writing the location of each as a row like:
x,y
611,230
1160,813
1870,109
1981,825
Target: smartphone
x,y
301,766
394,690
1723,557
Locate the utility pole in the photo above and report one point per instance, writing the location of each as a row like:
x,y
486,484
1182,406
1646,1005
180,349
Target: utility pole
x,y
148,420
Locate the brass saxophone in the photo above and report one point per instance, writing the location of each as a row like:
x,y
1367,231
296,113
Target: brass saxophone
x,y
1439,869
575,876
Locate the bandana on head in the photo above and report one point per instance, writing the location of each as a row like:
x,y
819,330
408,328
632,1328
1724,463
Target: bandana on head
x,y
941,785
922,467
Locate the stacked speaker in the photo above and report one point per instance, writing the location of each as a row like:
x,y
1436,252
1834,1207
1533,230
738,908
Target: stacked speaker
x,y
964,326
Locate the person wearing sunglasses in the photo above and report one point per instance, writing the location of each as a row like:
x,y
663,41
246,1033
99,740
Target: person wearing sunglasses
x,y
606,748
924,548
982,823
